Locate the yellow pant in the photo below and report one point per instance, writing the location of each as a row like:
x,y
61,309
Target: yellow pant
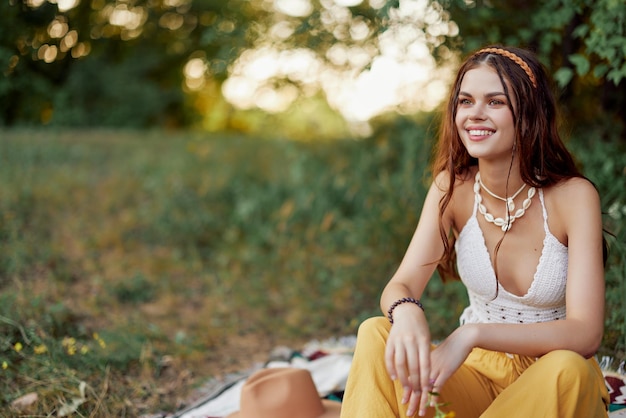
x,y
489,384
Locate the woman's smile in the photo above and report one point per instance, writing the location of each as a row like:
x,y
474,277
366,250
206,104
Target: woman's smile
x,y
479,134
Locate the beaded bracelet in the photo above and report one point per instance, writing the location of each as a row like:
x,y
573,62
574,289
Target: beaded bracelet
x,y
399,302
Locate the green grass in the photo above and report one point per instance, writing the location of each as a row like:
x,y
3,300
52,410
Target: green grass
x,y
133,256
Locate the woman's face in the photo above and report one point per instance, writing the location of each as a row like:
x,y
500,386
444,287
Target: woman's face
x,y
484,120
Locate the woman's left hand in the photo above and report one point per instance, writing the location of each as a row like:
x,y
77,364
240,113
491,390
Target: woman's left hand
x,y
448,356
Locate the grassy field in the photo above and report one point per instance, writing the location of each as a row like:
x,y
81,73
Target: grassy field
x,y
134,265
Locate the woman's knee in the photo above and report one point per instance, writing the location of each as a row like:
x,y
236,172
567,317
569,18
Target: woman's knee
x,y
373,330
567,364
374,325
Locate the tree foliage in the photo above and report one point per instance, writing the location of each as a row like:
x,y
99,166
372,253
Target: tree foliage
x,y
91,62
125,62
106,62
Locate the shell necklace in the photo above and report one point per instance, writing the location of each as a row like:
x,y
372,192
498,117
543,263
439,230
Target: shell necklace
x,y
507,223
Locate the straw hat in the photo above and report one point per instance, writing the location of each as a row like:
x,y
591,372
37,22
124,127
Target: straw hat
x,y
284,392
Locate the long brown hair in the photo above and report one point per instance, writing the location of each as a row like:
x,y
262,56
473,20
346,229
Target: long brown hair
x,y
544,160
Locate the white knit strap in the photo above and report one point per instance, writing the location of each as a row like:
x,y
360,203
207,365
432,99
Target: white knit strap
x,y
544,211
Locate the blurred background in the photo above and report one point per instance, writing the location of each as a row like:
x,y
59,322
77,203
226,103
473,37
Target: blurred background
x,y
186,184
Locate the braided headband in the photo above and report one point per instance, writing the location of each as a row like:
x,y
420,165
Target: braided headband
x,y
516,59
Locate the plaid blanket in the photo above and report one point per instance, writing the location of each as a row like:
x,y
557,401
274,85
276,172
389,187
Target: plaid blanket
x,y
329,363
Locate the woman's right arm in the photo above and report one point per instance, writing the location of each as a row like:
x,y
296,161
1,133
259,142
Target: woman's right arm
x,y
407,354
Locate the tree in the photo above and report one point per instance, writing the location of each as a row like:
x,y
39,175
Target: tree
x,y
106,62
103,62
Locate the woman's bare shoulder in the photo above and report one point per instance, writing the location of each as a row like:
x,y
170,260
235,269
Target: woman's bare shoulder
x,y
442,179
575,190
459,206
573,201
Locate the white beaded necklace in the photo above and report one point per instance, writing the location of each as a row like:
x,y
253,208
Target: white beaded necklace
x,y
510,205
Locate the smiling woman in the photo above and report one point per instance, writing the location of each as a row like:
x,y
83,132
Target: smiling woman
x,y
534,274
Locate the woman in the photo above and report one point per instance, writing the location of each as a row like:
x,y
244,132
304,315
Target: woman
x,y
523,227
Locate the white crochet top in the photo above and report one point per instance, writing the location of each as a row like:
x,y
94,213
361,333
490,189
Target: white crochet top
x,y
545,299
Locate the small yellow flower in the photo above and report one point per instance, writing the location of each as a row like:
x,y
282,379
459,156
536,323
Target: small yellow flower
x,y
70,345
68,341
4,365
100,341
40,349
84,350
18,347
450,414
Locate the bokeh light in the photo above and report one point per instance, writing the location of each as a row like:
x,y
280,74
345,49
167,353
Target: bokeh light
x,y
359,80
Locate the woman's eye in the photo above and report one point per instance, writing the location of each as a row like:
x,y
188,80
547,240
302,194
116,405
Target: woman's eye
x,y
464,101
496,102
